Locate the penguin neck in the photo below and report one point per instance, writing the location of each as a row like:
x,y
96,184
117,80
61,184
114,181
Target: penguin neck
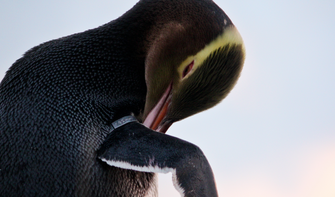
x,y
129,39
141,36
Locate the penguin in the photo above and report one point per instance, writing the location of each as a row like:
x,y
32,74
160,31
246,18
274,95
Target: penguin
x,y
86,114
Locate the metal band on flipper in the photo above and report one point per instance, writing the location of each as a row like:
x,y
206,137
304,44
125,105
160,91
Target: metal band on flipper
x,y
122,121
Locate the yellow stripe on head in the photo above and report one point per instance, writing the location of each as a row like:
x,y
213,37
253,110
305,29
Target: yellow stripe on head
x,y
230,36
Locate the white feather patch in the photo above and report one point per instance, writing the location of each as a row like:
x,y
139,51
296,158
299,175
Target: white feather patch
x,y
155,169
129,166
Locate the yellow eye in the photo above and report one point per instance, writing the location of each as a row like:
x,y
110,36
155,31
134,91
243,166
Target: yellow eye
x,y
188,69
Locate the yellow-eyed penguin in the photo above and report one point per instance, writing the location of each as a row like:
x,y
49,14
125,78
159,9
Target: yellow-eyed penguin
x,y
78,114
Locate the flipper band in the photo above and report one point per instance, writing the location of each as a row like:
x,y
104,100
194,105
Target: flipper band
x,y
122,121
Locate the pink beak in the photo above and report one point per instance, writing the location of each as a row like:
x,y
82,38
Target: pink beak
x,y
157,114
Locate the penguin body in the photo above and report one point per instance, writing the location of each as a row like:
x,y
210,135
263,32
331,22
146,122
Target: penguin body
x,y
58,102
54,103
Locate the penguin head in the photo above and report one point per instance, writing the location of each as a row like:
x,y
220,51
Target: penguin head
x,y
190,67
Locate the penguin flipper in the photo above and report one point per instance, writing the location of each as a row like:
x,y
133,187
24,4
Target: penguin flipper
x,y
135,147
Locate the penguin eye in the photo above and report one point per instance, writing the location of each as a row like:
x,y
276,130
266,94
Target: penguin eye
x,y
188,69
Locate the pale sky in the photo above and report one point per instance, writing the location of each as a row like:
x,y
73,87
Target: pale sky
x,y
274,135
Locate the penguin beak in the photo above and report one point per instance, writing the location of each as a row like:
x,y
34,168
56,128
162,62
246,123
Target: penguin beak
x,y
155,118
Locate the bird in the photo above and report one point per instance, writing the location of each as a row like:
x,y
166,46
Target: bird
x,y
87,114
